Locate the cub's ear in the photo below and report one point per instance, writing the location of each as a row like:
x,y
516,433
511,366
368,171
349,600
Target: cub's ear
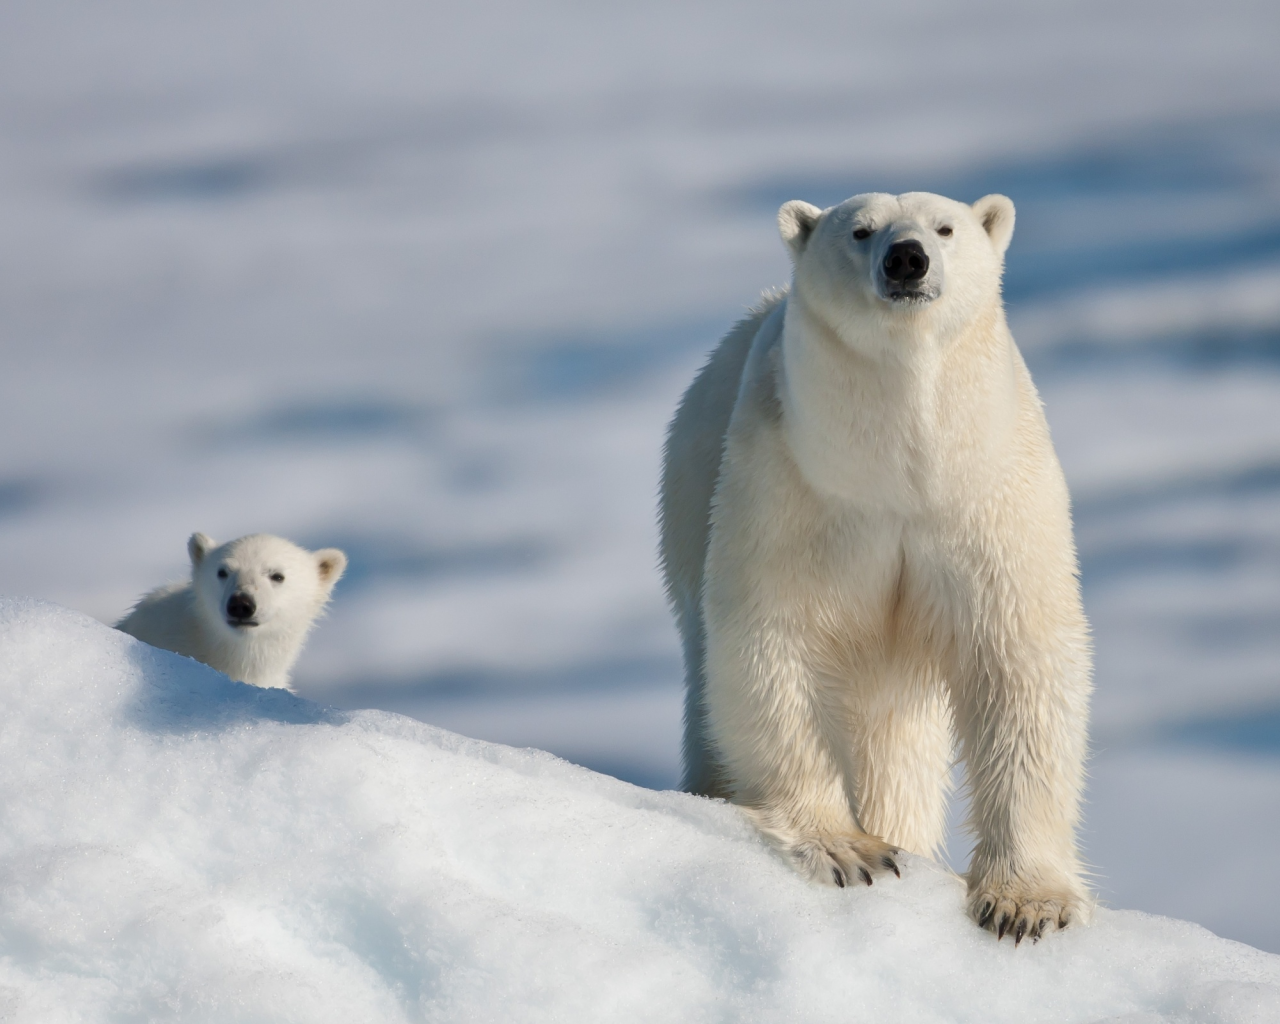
x,y
995,213
796,221
198,546
331,564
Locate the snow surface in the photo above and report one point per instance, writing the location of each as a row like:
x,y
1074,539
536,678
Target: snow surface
x,y
425,281
178,846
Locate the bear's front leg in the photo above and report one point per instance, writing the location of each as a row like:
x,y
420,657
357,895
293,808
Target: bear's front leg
x,y
1021,708
1024,910
782,740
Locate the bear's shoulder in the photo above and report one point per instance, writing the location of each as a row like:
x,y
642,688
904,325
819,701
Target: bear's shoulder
x,y
165,617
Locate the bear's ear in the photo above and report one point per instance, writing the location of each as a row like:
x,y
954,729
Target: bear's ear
x,y
995,213
198,546
796,221
331,564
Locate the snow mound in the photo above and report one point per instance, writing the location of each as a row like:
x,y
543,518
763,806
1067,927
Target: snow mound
x,y
177,846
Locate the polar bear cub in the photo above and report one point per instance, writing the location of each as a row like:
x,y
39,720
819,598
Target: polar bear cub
x,y
867,541
246,609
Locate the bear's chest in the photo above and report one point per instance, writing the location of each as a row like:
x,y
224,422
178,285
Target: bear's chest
x,y
870,447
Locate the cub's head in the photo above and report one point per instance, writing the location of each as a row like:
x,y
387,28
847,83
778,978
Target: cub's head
x,y
261,584
897,259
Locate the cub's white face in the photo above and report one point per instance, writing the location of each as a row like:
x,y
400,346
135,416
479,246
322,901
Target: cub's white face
x,y
916,259
261,585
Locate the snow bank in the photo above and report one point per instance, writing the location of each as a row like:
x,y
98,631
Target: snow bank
x,y
465,386
177,846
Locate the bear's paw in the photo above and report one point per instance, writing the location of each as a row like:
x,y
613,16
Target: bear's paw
x,y
844,859
1025,911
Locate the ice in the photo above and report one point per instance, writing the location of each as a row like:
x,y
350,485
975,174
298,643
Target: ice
x,y
178,846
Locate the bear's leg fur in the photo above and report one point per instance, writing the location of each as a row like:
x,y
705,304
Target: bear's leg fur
x,y
781,731
901,759
1020,697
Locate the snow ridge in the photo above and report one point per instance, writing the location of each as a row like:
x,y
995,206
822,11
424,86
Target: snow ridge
x,y
178,846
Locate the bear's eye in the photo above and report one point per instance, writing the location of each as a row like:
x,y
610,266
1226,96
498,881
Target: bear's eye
x,y
862,233
222,574
945,232
277,577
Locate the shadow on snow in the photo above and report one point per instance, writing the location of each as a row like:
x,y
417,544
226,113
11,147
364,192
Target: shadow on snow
x,y
179,695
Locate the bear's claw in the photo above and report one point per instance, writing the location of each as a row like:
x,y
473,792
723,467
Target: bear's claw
x,y
1018,912
841,859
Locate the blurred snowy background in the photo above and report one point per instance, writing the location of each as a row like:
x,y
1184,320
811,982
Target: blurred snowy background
x,y
426,281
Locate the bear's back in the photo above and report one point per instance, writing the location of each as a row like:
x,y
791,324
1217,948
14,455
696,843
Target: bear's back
x,y
166,618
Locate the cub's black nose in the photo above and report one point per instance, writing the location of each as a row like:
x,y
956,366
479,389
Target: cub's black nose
x,y
906,261
240,607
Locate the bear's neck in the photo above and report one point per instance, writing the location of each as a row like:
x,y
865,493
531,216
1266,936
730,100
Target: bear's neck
x,y
880,421
259,658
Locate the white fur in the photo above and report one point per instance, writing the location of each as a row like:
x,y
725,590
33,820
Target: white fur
x,y
867,541
289,586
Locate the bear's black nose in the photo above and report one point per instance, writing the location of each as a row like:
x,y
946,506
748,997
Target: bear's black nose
x,y
240,607
906,261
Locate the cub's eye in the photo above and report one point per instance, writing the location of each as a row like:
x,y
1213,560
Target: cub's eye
x,y
222,574
862,233
277,577
944,232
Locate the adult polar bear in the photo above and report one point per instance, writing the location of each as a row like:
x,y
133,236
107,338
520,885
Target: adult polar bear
x,y
866,536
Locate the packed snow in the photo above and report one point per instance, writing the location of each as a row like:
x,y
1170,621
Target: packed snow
x,y
425,282
179,846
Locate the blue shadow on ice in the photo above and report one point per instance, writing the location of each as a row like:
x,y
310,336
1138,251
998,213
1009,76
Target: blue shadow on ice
x,y
1099,563
336,420
1200,352
1253,732
17,496
180,695
376,560
199,181
1235,482
559,368
329,161
1130,553
598,676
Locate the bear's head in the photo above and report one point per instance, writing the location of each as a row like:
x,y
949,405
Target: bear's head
x,y
260,584
907,260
